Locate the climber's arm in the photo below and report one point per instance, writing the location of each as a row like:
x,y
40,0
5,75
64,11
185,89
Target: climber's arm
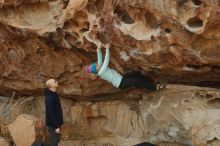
x,y
106,61
99,55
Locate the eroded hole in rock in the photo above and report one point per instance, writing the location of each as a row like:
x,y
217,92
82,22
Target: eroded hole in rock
x,y
167,30
186,101
181,2
85,27
214,142
197,2
99,5
102,37
71,38
194,66
214,102
123,15
67,25
151,20
80,16
195,22
60,31
202,96
196,94
91,8
174,44
70,24
84,30
75,34
65,3
152,38
209,96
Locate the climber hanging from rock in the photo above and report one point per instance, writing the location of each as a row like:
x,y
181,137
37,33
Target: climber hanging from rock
x,y
128,80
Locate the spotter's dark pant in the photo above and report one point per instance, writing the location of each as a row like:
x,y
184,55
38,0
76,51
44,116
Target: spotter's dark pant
x,y
54,138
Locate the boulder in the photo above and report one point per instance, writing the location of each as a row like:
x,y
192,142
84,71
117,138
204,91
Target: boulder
x,y
23,130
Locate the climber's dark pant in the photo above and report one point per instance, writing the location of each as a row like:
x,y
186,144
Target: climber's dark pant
x,y
136,79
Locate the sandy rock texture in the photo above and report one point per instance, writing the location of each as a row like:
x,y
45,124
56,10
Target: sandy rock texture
x,y
179,115
39,39
175,40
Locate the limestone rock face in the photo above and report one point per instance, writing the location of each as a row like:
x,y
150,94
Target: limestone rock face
x,y
40,39
206,134
176,40
22,130
180,114
176,116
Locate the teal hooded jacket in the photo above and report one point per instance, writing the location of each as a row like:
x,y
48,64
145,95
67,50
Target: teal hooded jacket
x,y
105,72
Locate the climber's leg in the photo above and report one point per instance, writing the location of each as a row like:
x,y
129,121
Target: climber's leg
x,y
138,74
137,82
133,74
